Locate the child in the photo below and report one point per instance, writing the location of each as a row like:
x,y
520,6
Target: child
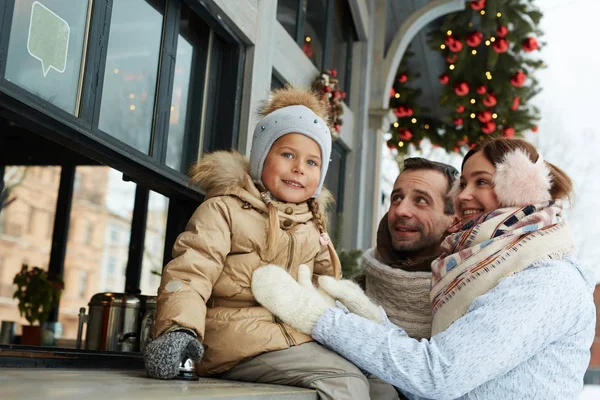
x,y
513,310
267,210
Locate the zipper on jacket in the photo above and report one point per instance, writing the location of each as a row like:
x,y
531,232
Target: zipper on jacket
x,y
290,340
291,253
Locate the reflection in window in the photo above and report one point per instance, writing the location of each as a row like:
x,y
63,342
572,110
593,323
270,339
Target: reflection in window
x,y
287,13
156,224
186,103
131,70
17,244
46,47
314,32
100,254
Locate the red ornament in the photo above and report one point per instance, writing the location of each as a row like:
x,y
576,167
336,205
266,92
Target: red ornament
x,y
456,149
392,92
307,49
463,141
515,104
405,134
403,112
391,144
530,44
455,46
488,128
502,31
334,72
474,39
452,59
327,89
444,79
460,109
461,89
478,5
490,100
518,79
508,132
458,121
534,128
481,89
449,40
500,45
485,116
402,78
472,145
343,95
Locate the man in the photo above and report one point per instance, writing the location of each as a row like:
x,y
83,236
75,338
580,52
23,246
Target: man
x,y
397,272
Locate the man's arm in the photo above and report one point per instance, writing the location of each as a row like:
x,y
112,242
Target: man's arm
x,y
503,328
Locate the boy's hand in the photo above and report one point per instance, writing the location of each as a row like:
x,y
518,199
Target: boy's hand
x,y
163,355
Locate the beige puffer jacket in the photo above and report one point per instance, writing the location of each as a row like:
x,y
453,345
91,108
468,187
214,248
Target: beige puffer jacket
x,y
206,287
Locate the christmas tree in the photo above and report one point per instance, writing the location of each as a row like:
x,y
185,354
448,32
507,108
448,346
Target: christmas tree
x,y
490,52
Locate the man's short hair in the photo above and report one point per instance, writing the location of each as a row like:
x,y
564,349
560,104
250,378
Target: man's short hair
x,y
449,172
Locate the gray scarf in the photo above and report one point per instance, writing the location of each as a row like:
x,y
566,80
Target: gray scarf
x,y
403,295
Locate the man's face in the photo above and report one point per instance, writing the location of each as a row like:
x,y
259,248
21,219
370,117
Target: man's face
x,y
416,219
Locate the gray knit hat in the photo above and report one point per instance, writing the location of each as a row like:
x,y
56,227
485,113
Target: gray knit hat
x,y
290,119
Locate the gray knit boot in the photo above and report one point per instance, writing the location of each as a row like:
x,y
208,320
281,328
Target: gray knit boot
x,y
163,355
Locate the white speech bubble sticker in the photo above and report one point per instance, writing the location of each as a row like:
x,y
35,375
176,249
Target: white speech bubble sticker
x,y
48,38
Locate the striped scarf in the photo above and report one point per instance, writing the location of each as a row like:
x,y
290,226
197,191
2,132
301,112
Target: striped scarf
x,y
489,248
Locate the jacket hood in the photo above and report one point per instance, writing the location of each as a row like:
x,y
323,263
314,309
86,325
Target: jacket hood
x,y
224,173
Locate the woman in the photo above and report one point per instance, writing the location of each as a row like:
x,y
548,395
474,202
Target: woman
x,y
513,312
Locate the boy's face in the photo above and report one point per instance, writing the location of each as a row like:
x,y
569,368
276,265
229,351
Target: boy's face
x,y
292,169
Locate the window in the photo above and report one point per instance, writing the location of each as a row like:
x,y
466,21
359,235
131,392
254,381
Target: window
x,y
46,49
334,181
131,71
324,29
193,44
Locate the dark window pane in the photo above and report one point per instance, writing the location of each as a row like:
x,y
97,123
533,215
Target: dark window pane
x,y
314,31
339,37
287,13
188,87
129,89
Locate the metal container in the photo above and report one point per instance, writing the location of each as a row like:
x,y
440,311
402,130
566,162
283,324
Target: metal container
x,y
113,322
147,329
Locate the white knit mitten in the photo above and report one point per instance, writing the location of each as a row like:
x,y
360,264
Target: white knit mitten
x,y
298,304
352,296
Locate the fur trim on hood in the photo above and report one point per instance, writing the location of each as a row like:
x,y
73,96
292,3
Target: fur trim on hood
x,y
228,173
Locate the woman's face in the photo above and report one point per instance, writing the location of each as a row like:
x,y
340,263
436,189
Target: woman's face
x,y
476,196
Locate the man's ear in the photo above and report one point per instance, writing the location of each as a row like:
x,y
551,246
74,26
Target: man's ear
x,y
455,225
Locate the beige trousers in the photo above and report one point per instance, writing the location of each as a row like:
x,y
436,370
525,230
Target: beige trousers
x,y
312,366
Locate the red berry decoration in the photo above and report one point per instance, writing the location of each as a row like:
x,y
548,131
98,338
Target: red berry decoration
x,y
458,121
518,79
515,104
478,5
460,109
481,89
508,132
392,92
502,31
463,141
485,116
405,134
488,128
461,89
403,78
444,79
474,39
490,100
334,72
452,59
530,44
500,45
455,46
534,128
